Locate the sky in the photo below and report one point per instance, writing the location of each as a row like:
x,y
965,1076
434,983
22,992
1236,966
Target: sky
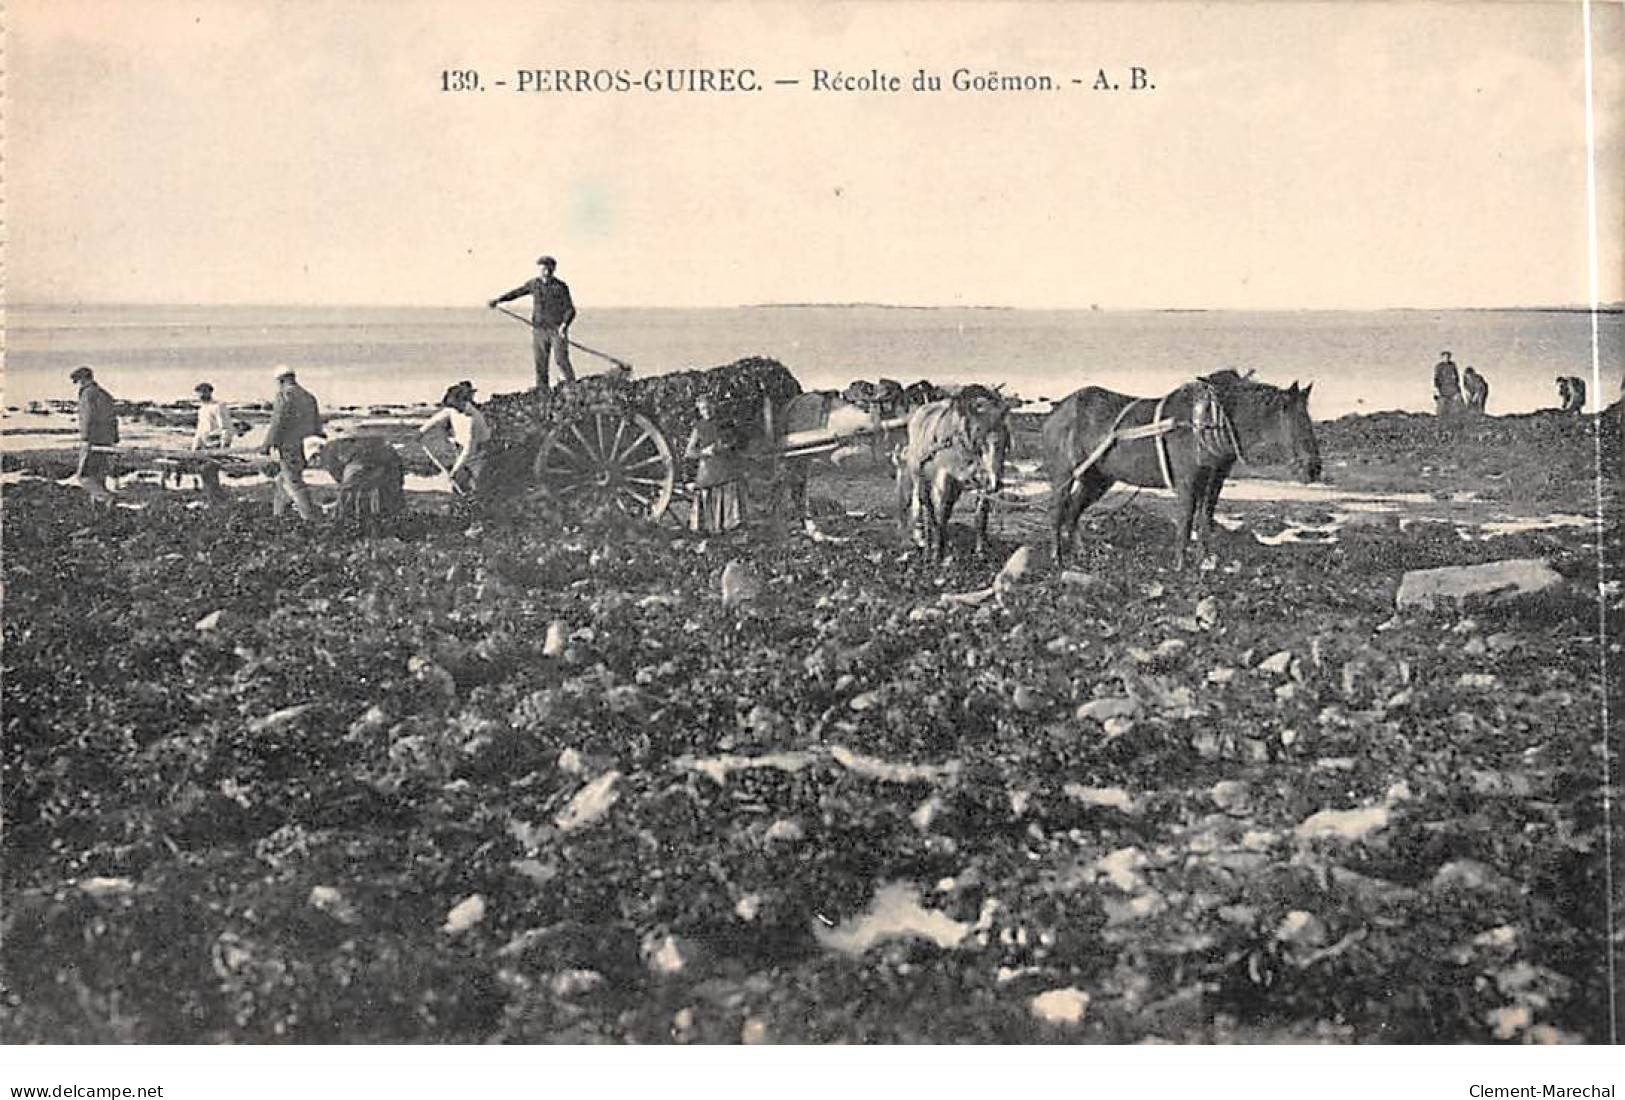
x,y
1336,155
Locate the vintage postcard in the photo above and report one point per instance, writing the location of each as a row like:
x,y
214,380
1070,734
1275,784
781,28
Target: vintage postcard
x,y
812,523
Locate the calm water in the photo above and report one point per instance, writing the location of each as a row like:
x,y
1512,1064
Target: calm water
x,y
1359,362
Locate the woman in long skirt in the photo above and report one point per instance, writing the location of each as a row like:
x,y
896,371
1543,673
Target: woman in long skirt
x,y
719,492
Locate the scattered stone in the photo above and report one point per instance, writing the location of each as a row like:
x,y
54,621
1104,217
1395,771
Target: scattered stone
x,y
926,813
1276,663
103,886
748,907
664,955
557,636
535,870
887,772
1207,612
1015,569
590,803
1230,794
282,719
373,720
1499,938
1478,681
739,584
753,1031
329,900
464,915
573,983
718,768
1099,710
1060,1006
1467,875
1115,798
784,831
211,621
1077,579
1347,825
895,913
1510,1020
1302,929
1222,674
1499,581
1121,868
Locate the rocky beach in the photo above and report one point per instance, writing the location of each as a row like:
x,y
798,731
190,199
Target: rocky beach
x,y
518,774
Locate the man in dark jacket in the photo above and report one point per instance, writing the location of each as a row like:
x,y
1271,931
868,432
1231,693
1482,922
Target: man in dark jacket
x,y
369,474
294,415
98,427
1446,386
551,312
1477,390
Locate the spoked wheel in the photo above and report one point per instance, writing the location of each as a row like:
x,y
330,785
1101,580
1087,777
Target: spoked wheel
x,y
606,456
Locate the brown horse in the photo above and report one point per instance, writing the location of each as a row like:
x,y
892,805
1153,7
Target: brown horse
x,y
953,444
1204,427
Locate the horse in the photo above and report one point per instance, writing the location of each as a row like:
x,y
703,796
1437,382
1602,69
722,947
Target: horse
x,y
1187,441
958,442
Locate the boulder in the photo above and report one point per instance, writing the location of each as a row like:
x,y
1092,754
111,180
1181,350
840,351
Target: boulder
x,y
1497,581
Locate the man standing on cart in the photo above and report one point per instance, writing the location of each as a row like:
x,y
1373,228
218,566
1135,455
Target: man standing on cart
x,y
550,317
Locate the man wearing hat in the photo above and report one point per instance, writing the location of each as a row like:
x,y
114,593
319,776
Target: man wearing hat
x,y
98,427
1446,386
469,430
551,312
214,433
294,415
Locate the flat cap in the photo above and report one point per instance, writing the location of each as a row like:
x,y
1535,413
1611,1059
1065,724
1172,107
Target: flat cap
x,y
546,261
282,370
80,374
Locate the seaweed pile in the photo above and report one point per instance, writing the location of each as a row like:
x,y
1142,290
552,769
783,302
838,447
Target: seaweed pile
x,y
521,779
738,390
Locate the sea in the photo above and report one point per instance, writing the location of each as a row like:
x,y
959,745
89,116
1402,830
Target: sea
x,y
354,356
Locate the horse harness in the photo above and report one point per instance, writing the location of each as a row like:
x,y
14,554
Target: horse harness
x,y
1214,431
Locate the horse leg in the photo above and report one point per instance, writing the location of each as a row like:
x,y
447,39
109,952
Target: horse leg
x,y
907,492
1070,504
928,520
947,493
984,506
1191,491
1210,502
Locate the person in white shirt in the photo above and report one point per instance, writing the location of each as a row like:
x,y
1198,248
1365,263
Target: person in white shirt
x,y
214,433
469,430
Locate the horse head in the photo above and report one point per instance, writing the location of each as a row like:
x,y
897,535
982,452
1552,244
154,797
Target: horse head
x,y
986,414
1297,432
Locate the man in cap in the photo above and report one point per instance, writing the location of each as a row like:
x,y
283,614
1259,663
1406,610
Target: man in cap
x,y
1446,386
214,433
551,312
469,430
98,427
294,415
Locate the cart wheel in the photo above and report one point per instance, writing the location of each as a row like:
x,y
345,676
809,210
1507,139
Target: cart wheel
x,y
610,456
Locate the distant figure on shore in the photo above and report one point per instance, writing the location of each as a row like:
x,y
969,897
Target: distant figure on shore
x,y
98,427
294,415
1446,386
214,433
551,312
1571,392
1477,390
462,418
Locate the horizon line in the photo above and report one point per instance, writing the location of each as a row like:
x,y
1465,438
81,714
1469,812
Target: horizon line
x,y
1615,306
